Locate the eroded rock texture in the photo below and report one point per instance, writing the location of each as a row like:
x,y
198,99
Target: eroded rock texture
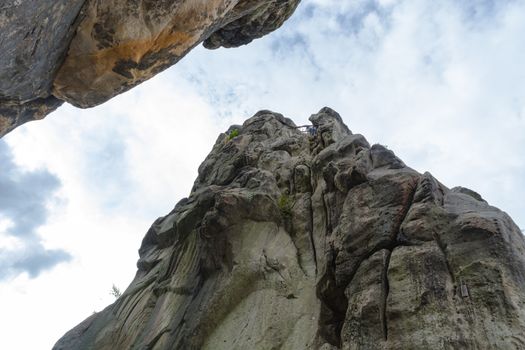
x,y
294,241
34,37
87,51
121,43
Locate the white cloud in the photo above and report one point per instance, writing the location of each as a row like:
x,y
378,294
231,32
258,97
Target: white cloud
x,y
24,200
438,82
121,165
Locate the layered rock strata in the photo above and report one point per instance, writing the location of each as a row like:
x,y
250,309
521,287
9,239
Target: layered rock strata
x,y
87,51
293,240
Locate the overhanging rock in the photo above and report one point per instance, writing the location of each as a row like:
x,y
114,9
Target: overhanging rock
x,y
87,51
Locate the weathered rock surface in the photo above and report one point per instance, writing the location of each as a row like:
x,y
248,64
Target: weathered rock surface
x,y
14,113
121,43
292,241
87,51
34,39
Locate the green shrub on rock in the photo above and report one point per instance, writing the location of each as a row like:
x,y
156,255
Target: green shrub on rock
x,y
285,205
233,133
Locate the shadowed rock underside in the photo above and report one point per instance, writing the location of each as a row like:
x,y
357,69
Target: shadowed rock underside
x,y
296,241
87,51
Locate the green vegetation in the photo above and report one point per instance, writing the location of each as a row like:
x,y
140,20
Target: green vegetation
x,y
115,291
285,205
233,133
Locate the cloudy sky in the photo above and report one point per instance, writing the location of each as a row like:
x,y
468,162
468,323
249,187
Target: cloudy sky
x,y
440,83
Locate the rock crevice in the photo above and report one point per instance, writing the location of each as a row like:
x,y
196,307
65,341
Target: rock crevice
x,y
294,240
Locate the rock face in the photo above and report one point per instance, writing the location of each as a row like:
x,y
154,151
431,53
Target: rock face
x,y
34,39
87,51
296,241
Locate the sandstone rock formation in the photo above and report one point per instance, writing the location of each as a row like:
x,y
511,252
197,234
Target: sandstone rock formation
x,y
87,51
297,241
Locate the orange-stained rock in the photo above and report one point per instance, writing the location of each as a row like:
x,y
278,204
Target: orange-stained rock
x,y
121,43
87,51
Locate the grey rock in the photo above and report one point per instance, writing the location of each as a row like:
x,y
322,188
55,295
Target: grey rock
x,y
87,51
251,22
35,38
120,44
297,241
468,191
13,113
34,41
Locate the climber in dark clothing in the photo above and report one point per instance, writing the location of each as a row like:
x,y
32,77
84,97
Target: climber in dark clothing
x,y
312,130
